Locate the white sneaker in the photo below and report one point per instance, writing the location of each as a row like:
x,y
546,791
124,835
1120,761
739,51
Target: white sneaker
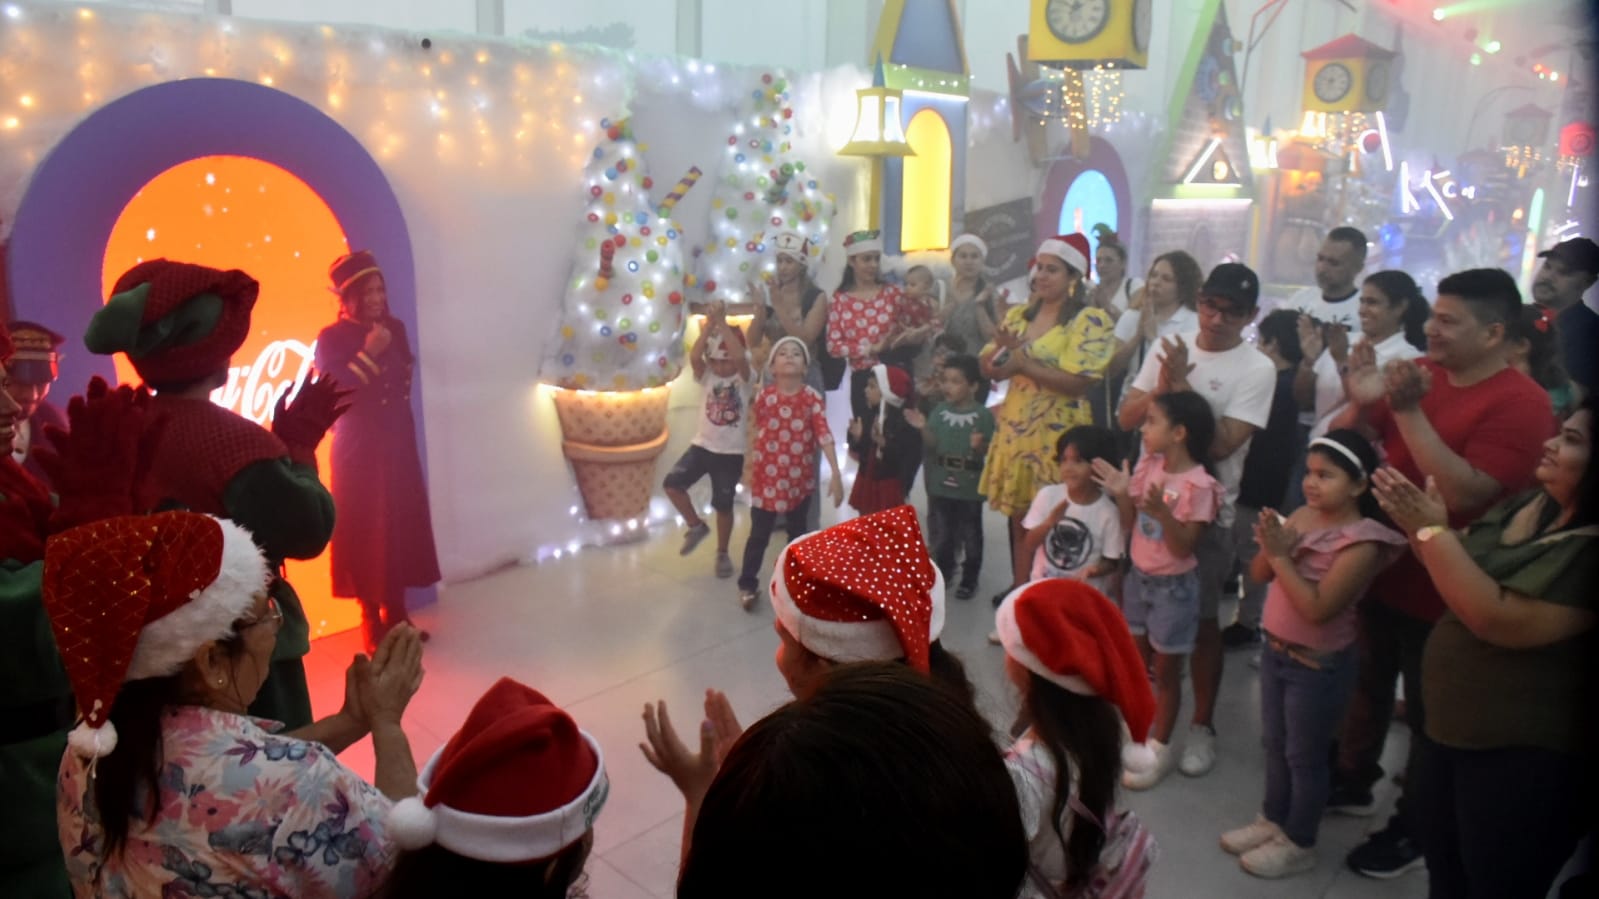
x,y
1258,832
1278,857
1199,752
993,637
1154,774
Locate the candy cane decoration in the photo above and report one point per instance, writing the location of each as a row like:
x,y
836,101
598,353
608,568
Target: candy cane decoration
x,y
682,187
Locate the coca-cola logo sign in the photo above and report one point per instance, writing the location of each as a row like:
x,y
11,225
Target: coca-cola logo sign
x,y
253,390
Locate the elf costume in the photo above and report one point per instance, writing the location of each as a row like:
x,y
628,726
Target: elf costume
x,y
94,469
180,324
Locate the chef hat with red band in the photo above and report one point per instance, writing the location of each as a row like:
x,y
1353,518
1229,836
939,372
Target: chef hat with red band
x,y
862,590
519,782
1068,633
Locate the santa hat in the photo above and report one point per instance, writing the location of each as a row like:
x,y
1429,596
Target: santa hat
x,y
1071,249
36,357
175,321
1068,633
894,384
519,782
863,590
350,268
789,338
136,596
863,242
968,239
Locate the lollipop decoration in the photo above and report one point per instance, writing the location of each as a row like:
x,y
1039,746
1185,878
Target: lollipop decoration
x,y
683,185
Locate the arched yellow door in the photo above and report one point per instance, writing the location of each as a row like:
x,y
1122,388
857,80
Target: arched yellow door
x,y
929,180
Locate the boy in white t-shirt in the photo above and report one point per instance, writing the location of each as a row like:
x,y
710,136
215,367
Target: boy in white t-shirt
x,y
721,365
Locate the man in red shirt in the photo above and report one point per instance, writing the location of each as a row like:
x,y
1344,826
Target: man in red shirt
x,y
1476,427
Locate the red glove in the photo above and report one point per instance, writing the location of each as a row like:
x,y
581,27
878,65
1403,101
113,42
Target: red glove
x,y
302,424
101,467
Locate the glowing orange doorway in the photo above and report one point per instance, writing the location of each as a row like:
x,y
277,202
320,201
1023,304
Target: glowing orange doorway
x,y
238,212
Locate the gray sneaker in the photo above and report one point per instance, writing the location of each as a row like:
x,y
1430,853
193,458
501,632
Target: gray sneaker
x,y
693,536
746,600
724,565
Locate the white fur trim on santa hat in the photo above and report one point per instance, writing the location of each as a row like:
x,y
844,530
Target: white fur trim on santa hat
x,y
789,338
1065,252
968,239
846,641
872,245
413,824
1010,637
166,643
880,375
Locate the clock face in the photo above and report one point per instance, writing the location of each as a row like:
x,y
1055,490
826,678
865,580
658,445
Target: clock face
x,y
1077,21
1141,15
1333,82
1377,76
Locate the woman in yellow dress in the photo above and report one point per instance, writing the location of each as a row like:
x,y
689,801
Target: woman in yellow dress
x,y
1053,350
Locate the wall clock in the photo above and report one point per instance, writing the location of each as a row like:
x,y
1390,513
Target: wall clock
x,y
1333,81
1077,21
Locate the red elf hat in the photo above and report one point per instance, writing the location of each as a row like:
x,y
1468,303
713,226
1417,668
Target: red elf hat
x,y
519,782
1069,634
175,321
862,590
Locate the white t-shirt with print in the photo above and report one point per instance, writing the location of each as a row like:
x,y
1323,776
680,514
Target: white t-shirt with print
x,y
1084,536
1330,399
1238,384
723,414
1346,312
1129,326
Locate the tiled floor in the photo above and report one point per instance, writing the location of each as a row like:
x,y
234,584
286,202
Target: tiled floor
x,y
612,628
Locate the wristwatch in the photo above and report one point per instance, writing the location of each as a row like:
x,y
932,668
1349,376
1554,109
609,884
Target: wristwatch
x,y
1429,532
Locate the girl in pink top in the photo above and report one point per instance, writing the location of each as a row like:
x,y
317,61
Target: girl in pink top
x,y
1319,562
1173,499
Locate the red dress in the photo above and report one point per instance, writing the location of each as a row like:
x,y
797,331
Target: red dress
x,y
383,535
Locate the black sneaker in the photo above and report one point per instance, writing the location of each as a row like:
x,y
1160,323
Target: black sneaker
x,y
1238,636
1356,803
1386,854
999,597
965,592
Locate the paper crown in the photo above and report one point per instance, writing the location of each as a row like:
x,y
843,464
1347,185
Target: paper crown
x,y
1068,633
518,782
862,590
134,597
863,242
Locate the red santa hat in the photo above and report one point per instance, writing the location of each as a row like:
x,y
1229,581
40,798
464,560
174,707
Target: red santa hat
x,y
519,782
175,321
863,590
1069,248
894,384
136,596
1068,633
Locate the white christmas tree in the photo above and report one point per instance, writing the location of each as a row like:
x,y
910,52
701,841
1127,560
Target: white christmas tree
x,y
622,320
763,189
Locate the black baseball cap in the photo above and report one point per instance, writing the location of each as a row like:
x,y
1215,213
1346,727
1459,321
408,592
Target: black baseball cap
x,y
1579,253
1233,281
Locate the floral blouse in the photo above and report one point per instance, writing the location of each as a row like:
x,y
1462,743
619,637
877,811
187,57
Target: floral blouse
x,y
855,325
789,428
240,813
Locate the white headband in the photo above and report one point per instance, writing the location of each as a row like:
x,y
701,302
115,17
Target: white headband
x,y
968,240
1344,451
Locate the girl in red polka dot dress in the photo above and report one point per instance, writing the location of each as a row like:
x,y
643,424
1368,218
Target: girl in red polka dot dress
x,y
790,426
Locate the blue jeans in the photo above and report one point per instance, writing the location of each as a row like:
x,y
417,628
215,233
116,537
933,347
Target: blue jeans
x,y
1300,710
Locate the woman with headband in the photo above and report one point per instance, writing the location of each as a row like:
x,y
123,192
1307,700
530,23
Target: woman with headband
x,y
1319,562
971,311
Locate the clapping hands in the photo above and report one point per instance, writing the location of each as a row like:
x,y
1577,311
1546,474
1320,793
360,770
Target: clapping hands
x,y
691,772
1274,536
1112,480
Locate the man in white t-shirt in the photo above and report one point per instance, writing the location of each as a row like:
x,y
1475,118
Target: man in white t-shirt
x,y
1238,381
1329,323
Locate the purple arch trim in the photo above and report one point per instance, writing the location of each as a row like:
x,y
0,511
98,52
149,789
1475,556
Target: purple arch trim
x,y
61,229
1103,158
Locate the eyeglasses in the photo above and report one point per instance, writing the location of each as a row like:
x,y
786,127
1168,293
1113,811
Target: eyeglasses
x,y
273,615
1230,313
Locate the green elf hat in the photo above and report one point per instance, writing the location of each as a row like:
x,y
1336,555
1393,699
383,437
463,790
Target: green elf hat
x,y
175,321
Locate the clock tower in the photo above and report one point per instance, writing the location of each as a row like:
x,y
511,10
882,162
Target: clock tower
x,y
1087,34
1351,74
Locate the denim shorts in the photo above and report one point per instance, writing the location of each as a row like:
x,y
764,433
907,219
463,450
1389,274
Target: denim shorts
x,y
1164,606
725,470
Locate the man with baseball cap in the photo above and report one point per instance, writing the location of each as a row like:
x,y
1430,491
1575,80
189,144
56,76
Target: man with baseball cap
x,y
1569,268
1238,381
30,372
